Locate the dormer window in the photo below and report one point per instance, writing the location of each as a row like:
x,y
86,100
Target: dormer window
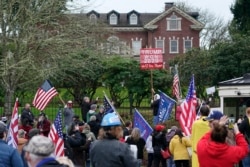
x,y
113,19
92,18
173,23
133,19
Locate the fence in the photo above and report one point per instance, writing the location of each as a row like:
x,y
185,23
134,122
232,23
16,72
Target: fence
x,y
124,110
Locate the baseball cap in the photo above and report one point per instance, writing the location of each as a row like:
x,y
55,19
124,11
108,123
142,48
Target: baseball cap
x,y
214,115
159,128
40,145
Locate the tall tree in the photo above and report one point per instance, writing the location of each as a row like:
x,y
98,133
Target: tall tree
x,y
35,36
241,19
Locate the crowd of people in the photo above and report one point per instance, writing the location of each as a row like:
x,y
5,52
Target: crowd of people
x,y
99,139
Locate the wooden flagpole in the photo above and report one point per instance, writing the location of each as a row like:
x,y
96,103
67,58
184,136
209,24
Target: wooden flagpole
x,y
61,100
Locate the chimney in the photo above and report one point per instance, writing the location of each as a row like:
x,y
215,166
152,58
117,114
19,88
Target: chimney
x,y
168,5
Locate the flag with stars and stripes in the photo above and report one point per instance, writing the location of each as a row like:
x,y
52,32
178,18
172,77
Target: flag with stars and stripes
x,y
142,124
188,109
108,107
56,135
13,130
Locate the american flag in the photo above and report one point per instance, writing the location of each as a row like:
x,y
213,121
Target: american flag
x,y
56,135
43,95
108,107
176,88
13,130
188,107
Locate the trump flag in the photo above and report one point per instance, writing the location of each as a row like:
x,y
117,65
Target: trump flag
x,y
165,107
142,124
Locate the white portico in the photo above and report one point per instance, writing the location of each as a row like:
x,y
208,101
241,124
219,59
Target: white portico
x,y
235,95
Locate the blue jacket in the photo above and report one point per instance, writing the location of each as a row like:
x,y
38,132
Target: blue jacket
x,y
9,157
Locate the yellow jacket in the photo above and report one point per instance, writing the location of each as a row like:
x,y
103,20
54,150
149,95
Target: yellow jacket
x,y
179,149
199,128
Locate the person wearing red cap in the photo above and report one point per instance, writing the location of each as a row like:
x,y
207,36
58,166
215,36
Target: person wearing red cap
x,y
159,142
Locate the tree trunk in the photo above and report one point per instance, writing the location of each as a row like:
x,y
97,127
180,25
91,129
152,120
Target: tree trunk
x,y
8,101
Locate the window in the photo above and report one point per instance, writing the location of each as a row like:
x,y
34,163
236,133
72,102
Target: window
x,y
92,18
136,46
133,19
159,43
187,45
174,48
112,46
113,19
173,23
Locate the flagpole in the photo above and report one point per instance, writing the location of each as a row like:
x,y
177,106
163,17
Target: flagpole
x,y
179,83
60,97
114,109
152,84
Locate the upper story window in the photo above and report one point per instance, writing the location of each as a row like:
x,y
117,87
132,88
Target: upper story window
x,y
113,19
173,23
160,43
92,18
187,45
133,19
136,47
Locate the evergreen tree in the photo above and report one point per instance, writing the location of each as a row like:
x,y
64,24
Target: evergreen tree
x,y
241,20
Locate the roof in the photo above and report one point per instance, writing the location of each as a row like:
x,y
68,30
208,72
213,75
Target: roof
x,y
244,80
145,18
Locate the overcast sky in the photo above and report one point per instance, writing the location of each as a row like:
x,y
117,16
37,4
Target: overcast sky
x,y
219,7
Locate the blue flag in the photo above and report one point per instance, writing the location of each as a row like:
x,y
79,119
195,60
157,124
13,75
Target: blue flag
x,y
165,107
142,124
108,107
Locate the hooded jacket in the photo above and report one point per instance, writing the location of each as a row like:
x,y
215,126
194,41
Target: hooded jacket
x,y
215,154
179,149
111,152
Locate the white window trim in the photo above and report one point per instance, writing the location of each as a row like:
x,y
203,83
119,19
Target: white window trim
x,y
173,52
93,18
163,44
184,46
114,19
135,17
137,52
178,19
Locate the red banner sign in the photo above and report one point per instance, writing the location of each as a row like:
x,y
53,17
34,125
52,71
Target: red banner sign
x,y
151,58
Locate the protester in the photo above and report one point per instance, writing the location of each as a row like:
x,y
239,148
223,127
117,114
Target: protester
x,y
150,150
199,128
85,107
94,125
39,152
109,151
178,148
136,139
33,132
88,133
128,129
68,115
159,142
239,121
43,124
9,157
155,105
27,117
169,136
100,114
21,140
244,128
212,149
91,112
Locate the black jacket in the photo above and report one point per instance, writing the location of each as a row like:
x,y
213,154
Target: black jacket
x,y
155,106
245,128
